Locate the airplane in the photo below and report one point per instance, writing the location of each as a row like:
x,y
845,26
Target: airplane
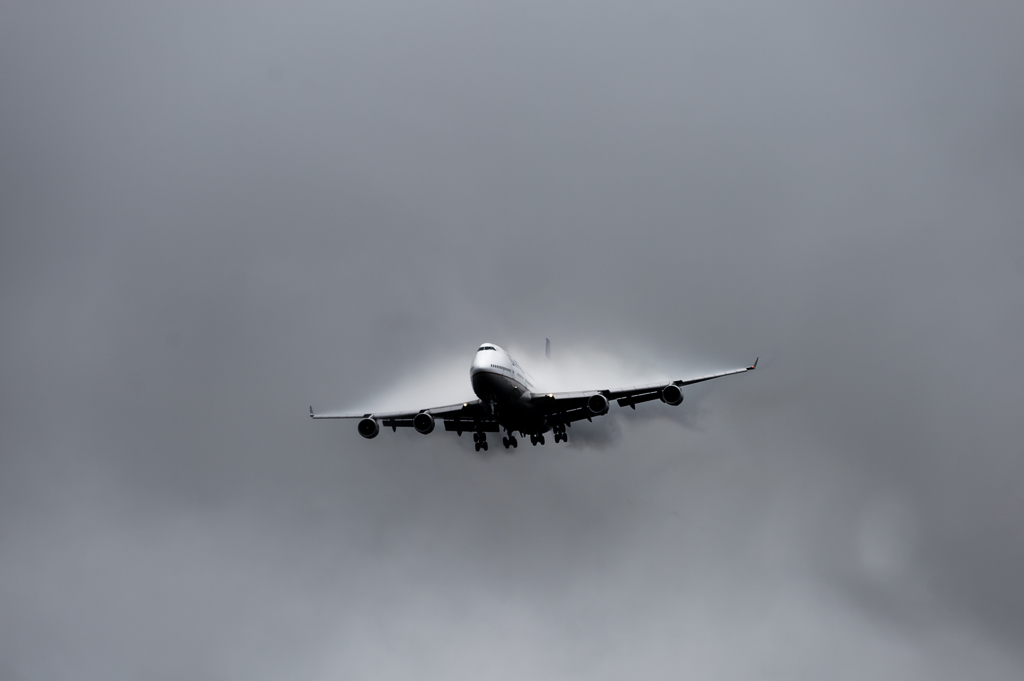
x,y
507,401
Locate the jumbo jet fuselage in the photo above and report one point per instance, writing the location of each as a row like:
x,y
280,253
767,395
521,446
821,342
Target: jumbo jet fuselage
x,y
500,382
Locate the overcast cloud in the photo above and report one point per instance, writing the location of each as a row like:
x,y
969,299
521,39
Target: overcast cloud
x,y
215,214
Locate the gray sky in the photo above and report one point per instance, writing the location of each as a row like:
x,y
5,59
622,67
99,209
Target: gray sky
x,y
215,214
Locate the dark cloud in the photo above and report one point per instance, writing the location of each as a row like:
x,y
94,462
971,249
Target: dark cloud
x,y
214,215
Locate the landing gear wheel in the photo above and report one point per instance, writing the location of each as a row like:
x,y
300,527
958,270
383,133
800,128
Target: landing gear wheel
x,y
476,446
476,437
540,438
506,442
515,443
560,435
483,445
533,440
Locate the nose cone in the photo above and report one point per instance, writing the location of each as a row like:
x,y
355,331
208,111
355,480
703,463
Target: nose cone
x,y
488,354
479,362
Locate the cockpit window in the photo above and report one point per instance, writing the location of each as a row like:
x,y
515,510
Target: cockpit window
x,y
486,347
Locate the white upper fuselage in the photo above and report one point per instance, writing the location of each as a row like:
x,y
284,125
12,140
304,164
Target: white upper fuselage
x,y
497,377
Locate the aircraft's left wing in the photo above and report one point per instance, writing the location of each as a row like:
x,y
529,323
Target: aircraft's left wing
x,y
465,416
569,407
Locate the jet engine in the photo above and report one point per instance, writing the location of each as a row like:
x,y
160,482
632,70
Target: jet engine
x,y
423,423
597,404
369,428
672,394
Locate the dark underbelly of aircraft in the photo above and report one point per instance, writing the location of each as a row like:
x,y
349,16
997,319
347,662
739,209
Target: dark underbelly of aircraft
x,y
491,386
513,412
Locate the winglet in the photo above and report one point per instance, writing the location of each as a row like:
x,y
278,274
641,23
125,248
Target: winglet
x,y
753,366
311,411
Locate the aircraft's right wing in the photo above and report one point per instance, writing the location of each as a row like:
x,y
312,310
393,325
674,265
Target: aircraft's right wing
x,y
465,416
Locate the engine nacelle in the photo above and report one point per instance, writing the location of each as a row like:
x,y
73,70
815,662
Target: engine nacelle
x,y
597,404
423,423
672,394
368,428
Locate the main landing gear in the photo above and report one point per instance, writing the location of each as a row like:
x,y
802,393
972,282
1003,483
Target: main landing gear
x,y
480,441
536,440
510,441
560,433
